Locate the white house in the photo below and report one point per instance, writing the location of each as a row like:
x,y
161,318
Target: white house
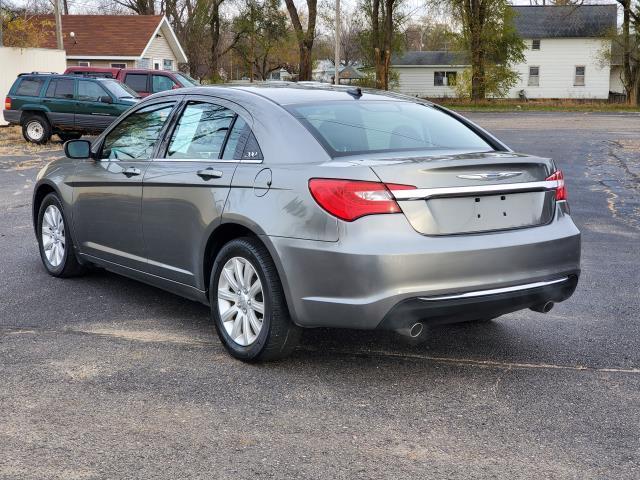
x,y
122,41
563,56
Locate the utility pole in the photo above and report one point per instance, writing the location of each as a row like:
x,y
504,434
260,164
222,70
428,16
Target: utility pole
x,y
337,59
56,13
1,23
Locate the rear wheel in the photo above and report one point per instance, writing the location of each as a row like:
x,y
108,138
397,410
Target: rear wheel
x,y
36,129
54,239
248,305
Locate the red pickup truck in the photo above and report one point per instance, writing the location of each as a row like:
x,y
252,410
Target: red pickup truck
x,y
143,81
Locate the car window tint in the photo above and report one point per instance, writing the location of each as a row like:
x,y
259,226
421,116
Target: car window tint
x,y
137,81
60,88
30,87
135,136
161,83
200,132
360,127
89,91
238,135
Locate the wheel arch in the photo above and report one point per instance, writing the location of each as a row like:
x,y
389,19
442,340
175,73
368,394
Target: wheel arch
x,y
41,191
227,231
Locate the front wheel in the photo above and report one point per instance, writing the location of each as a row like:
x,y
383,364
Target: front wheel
x,y
54,239
247,303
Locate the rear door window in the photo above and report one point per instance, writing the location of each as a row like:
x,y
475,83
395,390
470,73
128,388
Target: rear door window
x,y
200,132
30,87
136,81
241,143
134,138
160,83
89,91
61,88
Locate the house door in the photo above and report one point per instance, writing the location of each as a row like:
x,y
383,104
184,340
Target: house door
x,y
157,64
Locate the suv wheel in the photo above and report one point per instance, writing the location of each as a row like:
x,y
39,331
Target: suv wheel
x,y
54,239
248,305
36,129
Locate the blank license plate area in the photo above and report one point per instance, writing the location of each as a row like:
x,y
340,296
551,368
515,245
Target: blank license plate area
x,y
484,213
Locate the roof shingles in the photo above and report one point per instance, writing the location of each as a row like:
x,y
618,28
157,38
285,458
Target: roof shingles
x,y
103,35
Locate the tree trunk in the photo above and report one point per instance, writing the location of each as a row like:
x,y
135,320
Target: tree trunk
x,y
305,38
214,25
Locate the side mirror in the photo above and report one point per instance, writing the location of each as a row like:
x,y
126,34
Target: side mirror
x,y
77,149
106,99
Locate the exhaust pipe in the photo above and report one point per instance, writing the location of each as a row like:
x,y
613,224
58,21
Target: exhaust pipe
x,y
411,331
543,307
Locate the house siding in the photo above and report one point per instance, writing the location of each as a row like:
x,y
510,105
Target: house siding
x,y
557,59
100,63
418,81
615,81
159,49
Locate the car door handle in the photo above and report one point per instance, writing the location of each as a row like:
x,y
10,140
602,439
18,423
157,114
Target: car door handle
x,y
209,173
131,172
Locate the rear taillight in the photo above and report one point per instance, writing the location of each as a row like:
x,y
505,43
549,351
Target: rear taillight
x,y
352,199
7,103
561,189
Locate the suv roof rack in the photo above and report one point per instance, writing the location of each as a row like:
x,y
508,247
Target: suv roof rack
x,y
38,73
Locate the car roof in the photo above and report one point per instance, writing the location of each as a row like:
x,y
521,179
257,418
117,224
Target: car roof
x,y
290,93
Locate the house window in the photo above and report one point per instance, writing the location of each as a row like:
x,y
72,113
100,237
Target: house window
x,y
118,65
441,79
535,44
534,76
167,64
578,80
84,64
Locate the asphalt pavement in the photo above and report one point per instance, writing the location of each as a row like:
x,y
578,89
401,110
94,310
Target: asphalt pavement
x,y
102,377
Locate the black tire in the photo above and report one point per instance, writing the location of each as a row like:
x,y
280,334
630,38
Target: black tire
x,y
69,265
278,335
66,136
41,124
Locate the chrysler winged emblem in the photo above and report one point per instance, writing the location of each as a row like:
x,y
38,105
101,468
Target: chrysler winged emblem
x,y
490,175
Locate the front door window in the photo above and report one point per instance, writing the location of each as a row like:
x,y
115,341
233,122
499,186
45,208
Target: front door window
x,y
135,137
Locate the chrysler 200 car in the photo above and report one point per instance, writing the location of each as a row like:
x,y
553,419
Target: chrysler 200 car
x,y
284,207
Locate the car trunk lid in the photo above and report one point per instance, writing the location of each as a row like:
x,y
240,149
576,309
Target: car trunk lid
x,y
471,192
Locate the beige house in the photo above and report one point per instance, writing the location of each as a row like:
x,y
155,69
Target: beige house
x,y
118,41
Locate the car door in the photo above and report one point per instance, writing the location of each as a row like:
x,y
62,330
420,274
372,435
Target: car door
x,y
60,102
95,109
108,190
185,190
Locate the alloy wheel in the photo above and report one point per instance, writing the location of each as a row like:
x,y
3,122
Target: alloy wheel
x,y
241,301
53,235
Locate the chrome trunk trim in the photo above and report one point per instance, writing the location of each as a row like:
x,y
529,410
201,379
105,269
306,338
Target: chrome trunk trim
x,y
426,193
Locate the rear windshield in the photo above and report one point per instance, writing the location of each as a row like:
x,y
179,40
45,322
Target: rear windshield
x,y
186,80
347,128
120,90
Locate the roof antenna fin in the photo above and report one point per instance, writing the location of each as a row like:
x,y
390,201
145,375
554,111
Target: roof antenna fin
x,y
355,92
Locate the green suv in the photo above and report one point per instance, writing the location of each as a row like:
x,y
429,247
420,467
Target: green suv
x,y
66,105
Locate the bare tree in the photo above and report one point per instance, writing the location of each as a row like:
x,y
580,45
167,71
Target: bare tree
x,y
304,36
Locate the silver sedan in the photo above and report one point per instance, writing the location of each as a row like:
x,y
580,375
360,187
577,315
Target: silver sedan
x,y
285,207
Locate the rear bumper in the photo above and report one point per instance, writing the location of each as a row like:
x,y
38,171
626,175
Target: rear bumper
x,y
12,116
381,261
460,308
